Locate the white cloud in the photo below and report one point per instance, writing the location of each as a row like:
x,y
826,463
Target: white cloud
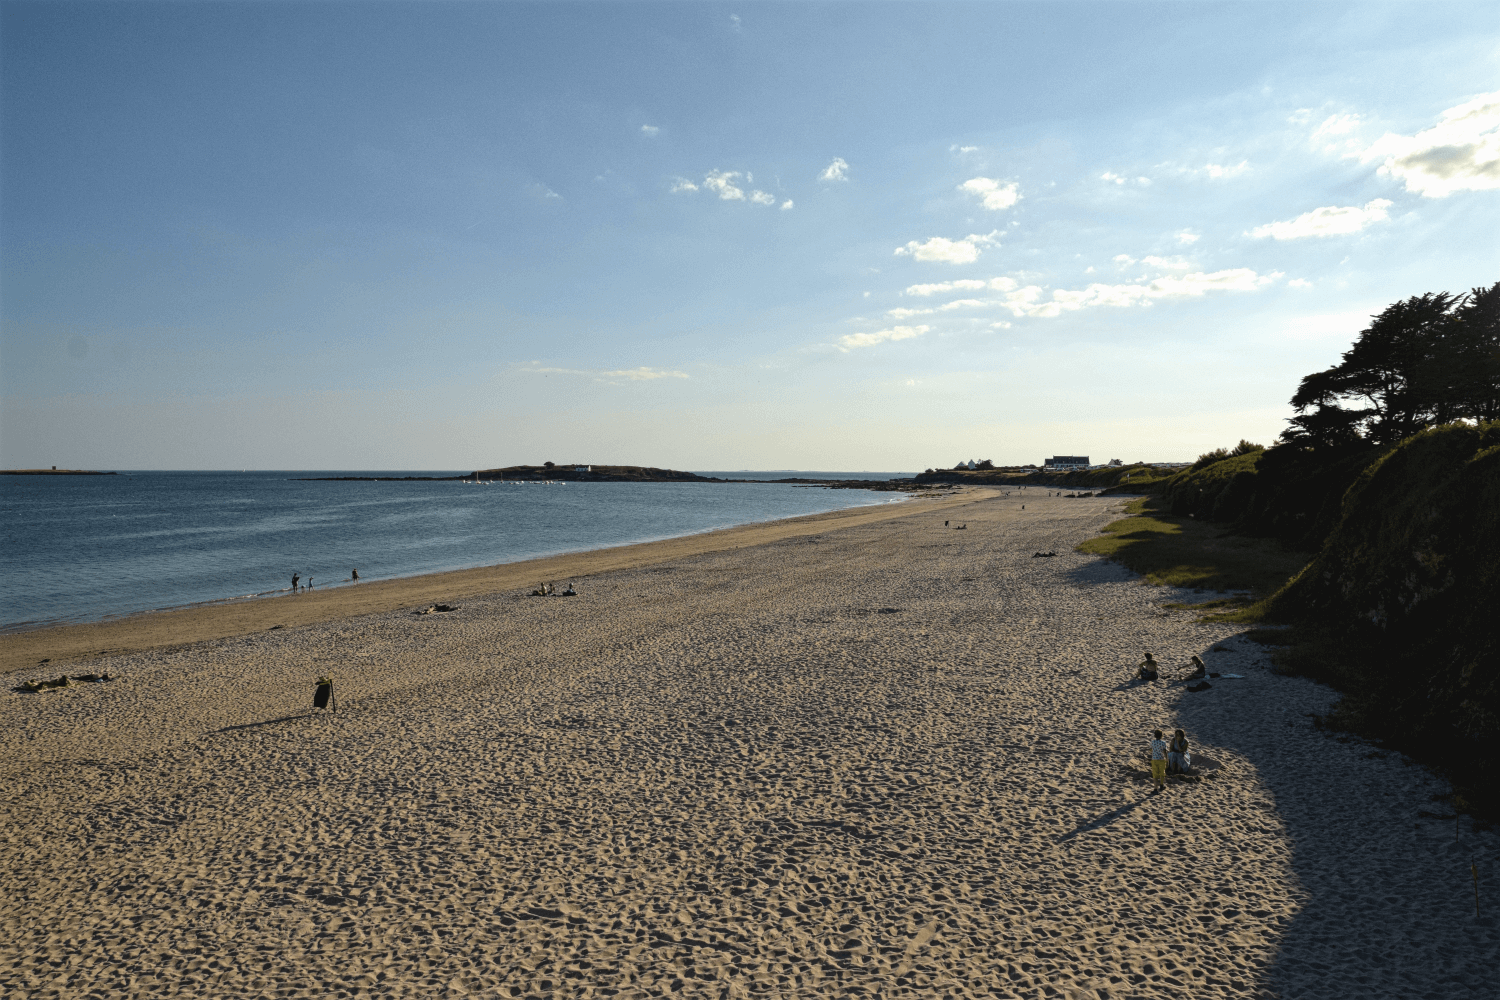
x,y
721,182
854,340
1143,181
1328,221
1299,283
1219,171
1033,301
543,192
1000,325
903,313
1124,259
761,198
734,23
1460,153
642,374
961,150
1185,237
1107,176
993,195
961,304
946,251
682,184
838,170
650,130
1337,125
1176,263
786,206
962,285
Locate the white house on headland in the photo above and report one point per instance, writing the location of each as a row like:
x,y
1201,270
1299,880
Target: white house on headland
x,y
1058,463
583,468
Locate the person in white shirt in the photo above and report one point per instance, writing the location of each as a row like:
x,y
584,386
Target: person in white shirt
x,y
1159,761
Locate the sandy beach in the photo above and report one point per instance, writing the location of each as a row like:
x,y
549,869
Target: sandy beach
x,y
857,754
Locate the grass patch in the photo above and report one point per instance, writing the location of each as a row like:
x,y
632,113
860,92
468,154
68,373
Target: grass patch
x,y
1184,552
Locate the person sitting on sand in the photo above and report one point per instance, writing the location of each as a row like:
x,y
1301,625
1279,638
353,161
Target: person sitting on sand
x,y
1159,760
1177,754
1148,670
570,592
1199,670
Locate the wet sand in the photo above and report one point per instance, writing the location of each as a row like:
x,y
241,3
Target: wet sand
x,y
855,755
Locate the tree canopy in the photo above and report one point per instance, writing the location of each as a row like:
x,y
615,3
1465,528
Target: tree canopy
x,y
1427,360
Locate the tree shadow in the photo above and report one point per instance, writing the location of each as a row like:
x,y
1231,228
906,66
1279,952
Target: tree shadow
x,y
1385,903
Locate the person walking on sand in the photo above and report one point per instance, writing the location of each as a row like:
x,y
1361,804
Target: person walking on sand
x,y
1159,761
295,578
1177,754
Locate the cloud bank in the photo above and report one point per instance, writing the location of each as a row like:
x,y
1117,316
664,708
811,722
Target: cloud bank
x,y
1328,221
854,340
1461,153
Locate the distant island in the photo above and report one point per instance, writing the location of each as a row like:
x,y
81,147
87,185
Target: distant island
x,y
54,471
582,473
550,470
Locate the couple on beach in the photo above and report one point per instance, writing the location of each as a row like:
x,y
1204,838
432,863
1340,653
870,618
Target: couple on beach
x,y
1168,758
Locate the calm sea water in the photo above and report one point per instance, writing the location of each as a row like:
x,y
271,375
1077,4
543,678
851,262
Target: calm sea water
x,y
82,548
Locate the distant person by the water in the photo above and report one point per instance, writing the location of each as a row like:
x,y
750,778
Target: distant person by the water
x,y
1148,670
354,575
295,578
1159,760
1177,754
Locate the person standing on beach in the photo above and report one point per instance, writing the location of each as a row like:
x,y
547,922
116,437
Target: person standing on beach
x,y
1159,761
295,578
355,575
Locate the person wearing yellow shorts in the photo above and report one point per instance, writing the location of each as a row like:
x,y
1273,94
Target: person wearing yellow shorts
x,y
1159,761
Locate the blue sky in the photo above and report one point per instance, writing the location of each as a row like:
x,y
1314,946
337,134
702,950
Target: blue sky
x,y
818,236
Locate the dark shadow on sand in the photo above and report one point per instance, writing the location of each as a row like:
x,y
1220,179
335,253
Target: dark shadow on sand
x,y
1100,822
268,722
1365,860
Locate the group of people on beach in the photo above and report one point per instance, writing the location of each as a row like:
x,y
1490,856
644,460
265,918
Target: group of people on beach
x,y
353,576
1150,670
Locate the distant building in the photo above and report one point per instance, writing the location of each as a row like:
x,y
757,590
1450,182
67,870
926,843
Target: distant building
x,y
583,468
1060,462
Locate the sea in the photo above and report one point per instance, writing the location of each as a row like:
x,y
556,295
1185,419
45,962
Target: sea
x,y
89,548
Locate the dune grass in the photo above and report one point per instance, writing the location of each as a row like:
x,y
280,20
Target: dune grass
x,y
1184,552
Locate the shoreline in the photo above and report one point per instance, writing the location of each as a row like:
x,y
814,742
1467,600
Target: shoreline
x,y
54,647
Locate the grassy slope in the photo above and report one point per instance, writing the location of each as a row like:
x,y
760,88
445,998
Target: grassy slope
x,y
1186,552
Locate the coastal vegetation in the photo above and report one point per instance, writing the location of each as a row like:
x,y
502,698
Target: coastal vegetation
x,y
1379,512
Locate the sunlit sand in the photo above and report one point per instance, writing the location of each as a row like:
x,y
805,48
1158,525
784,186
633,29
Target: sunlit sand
x,y
857,754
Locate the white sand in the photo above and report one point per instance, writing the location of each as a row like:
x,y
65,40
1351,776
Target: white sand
x,y
888,759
